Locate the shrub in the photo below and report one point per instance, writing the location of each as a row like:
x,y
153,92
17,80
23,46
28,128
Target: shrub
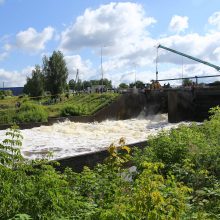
x,y
192,155
31,113
70,110
8,93
6,116
177,177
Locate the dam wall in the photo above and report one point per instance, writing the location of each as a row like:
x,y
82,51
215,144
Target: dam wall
x,y
191,105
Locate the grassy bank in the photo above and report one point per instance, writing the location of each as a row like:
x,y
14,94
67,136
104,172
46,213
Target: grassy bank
x,y
177,177
82,104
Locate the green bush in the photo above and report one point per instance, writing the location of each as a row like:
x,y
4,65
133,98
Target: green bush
x,y
38,191
192,155
31,113
177,177
6,93
6,116
70,110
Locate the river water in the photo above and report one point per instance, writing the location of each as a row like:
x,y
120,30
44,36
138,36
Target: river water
x,y
72,138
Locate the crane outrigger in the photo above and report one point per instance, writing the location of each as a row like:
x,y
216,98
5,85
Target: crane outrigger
x,y
190,57
187,56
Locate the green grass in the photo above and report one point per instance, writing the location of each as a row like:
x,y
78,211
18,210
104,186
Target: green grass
x,y
82,104
87,104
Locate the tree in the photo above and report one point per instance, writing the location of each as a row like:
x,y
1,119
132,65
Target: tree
x,y
87,84
107,83
187,82
216,83
138,84
72,84
35,84
55,72
123,86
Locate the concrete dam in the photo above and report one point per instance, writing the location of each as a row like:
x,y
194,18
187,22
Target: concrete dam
x,y
82,141
180,104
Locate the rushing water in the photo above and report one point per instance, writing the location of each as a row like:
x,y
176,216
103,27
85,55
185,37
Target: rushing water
x,y
72,138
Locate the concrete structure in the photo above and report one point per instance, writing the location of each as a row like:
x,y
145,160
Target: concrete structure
x,y
90,160
181,105
191,105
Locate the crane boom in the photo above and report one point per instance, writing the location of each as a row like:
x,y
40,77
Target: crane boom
x,y
190,57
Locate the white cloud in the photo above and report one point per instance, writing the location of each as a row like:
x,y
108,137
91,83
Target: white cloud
x,y
216,52
112,24
199,46
32,41
15,78
178,23
75,62
3,56
123,28
214,19
7,47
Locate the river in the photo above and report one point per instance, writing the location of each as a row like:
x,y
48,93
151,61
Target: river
x,y
72,138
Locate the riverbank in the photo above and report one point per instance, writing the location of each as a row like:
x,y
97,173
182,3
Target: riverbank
x,y
119,108
25,110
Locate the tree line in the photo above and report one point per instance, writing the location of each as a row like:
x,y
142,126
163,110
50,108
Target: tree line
x,y
53,74
52,77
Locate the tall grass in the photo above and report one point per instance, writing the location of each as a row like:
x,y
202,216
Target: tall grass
x,y
26,113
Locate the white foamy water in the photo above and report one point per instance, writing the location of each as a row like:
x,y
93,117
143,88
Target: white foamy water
x,y
72,138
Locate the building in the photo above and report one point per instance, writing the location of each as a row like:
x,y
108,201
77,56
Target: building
x,y
15,90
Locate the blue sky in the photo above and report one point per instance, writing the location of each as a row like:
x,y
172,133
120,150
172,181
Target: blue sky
x,y
127,31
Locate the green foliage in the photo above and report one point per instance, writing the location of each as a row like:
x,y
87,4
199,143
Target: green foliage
x,y
79,85
38,190
4,93
6,116
192,155
10,148
70,110
187,82
55,73
86,104
21,217
138,84
150,197
177,177
31,113
28,112
123,86
83,104
35,85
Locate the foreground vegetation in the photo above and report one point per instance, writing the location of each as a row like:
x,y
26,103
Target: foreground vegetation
x,y
177,177
38,110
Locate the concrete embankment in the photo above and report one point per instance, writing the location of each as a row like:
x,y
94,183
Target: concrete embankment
x,y
191,105
90,160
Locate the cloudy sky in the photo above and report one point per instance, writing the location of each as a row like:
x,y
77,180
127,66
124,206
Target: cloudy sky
x,y
127,32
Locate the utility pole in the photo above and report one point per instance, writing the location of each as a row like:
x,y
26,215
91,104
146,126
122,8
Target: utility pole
x,y
135,75
76,79
156,66
101,69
